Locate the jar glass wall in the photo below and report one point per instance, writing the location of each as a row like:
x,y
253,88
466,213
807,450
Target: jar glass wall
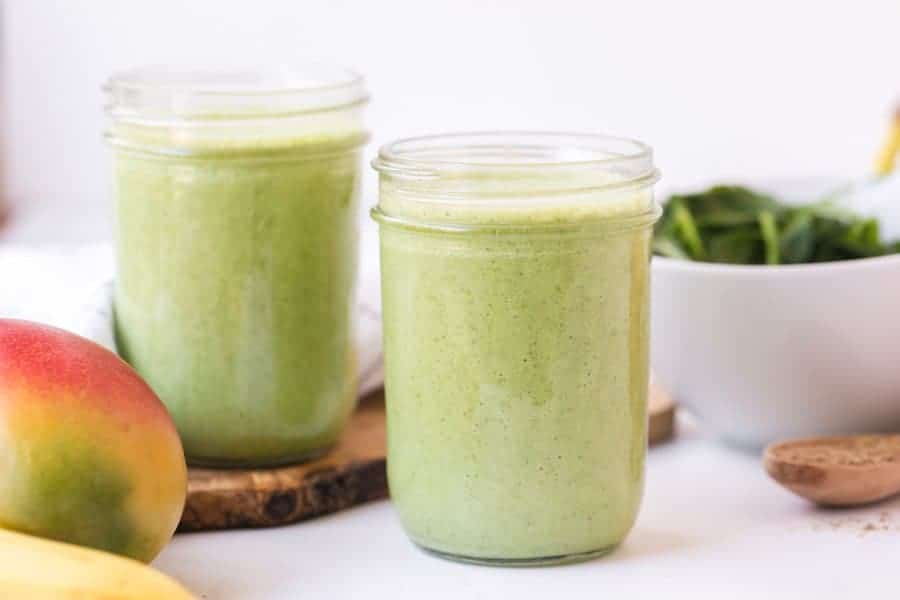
x,y
236,238
515,274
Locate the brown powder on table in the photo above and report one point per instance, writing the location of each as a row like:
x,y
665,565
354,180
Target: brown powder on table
x,y
861,526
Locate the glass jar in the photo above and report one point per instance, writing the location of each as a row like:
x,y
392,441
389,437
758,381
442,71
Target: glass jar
x,y
515,274
236,241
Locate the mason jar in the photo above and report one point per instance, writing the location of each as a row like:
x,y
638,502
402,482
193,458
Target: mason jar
x,y
236,237
515,273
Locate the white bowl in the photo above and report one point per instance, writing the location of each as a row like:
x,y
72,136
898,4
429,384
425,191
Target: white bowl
x,y
761,353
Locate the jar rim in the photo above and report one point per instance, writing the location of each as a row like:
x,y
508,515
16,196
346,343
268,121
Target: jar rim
x,y
427,157
209,93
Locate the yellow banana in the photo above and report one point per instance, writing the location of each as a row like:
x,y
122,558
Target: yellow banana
x,y
33,568
884,164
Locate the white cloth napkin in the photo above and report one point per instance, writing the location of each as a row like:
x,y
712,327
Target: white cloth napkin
x,y
71,288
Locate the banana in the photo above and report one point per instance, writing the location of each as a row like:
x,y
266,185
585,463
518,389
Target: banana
x,y
33,568
884,164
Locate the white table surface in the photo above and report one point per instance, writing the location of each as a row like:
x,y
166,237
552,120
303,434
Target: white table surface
x,y
712,525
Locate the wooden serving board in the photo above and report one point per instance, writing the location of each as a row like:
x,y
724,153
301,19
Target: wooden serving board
x,y
661,415
352,473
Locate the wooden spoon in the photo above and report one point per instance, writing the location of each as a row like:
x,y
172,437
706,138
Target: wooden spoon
x,y
837,471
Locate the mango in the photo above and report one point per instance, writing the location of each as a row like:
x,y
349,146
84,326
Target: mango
x,y
88,453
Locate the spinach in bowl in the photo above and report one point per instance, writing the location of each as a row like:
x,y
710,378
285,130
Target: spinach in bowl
x,y
737,225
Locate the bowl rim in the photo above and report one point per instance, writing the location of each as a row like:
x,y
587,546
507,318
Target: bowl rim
x,y
680,264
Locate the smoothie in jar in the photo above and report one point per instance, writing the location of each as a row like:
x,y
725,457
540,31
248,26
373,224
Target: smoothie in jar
x,y
514,281
236,218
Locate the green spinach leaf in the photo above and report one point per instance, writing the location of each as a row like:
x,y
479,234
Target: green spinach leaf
x,y
737,225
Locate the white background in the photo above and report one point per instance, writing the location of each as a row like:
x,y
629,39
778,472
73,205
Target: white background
x,y
721,89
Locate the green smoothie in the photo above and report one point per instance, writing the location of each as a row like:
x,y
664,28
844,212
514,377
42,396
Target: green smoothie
x,y
516,354
236,268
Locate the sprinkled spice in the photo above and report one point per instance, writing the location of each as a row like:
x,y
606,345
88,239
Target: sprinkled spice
x,y
850,452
